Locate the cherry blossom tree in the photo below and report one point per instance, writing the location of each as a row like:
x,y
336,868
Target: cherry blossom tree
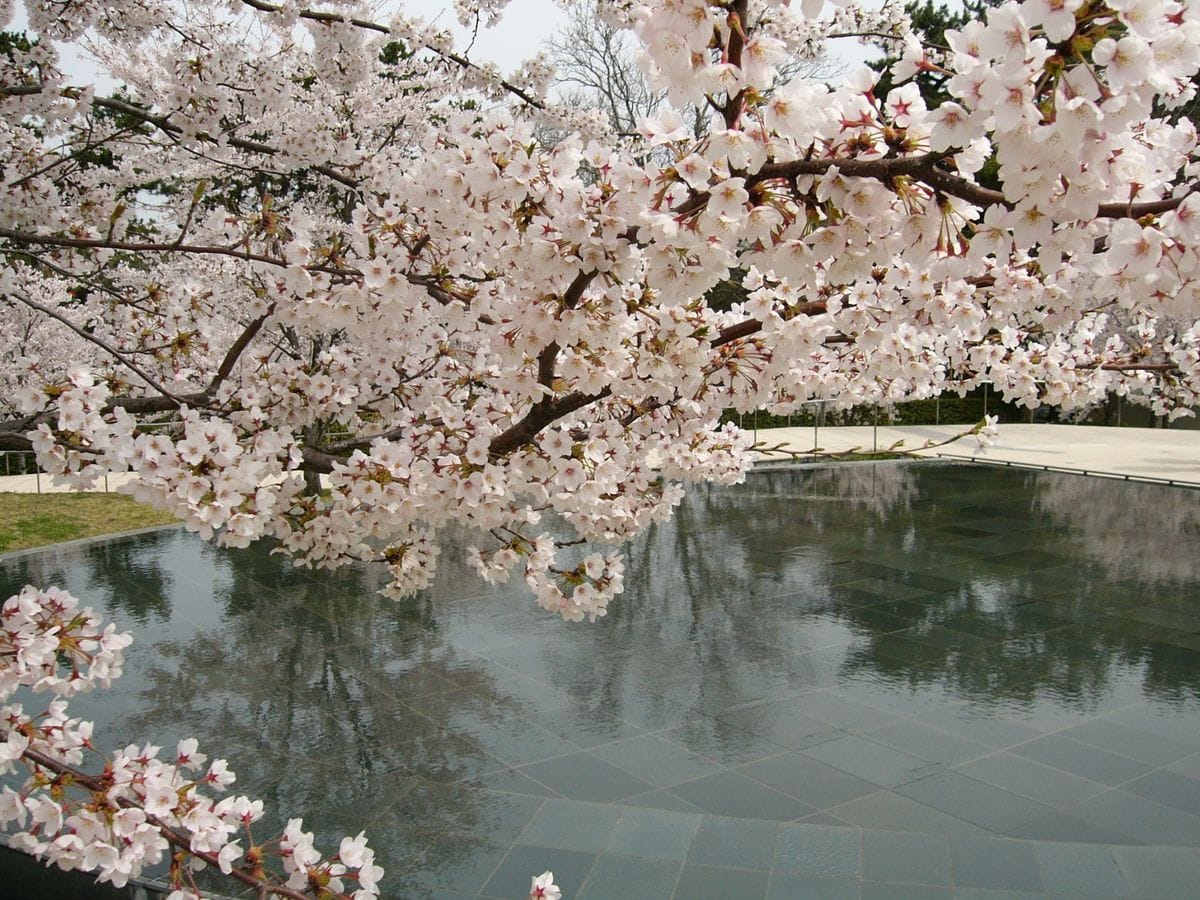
x,y
306,241
307,275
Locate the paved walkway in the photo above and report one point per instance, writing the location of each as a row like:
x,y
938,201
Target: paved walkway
x,y
1149,454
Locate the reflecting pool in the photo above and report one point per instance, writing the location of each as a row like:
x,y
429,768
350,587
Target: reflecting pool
x,y
862,680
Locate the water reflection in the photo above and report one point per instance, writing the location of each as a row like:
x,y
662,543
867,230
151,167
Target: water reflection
x,y
799,606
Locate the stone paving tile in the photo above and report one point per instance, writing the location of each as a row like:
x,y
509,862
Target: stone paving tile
x,y
584,727
1080,870
731,794
906,858
842,711
1168,788
653,833
454,862
1030,779
582,776
513,782
630,878
1166,872
711,883
994,863
784,886
736,843
989,807
1082,759
891,811
884,766
498,816
931,744
1144,820
572,825
718,741
1151,749
819,850
1188,766
982,726
1161,720
782,723
806,779
662,799
874,890
1060,826
511,878
656,761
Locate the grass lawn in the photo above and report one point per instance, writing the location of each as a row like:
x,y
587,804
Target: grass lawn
x,y
31,520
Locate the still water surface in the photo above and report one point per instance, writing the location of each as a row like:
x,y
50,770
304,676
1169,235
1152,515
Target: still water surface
x,y
923,649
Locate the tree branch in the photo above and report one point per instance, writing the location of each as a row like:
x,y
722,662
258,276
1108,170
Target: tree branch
x,y
98,785
99,342
925,169
332,18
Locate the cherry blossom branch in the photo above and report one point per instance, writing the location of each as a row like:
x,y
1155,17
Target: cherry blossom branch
x,y
163,123
332,18
985,429
98,785
48,643
225,369
99,342
924,167
738,11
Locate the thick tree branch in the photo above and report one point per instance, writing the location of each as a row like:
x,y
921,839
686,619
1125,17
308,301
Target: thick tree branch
x,y
732,110
544,412
924,168
235,351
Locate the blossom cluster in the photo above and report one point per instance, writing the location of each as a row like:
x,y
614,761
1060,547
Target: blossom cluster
x,y
139,807
326,285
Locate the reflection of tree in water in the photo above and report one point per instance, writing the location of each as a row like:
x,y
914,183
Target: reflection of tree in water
x,y
1151,536
930,577
120,573
331,703
1057,616
724,599
127,573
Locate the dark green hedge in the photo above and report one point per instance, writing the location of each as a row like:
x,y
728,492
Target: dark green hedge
x,y
944,411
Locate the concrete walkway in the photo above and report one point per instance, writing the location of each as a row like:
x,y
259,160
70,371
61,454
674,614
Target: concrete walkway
x,y
1147,454
1144,454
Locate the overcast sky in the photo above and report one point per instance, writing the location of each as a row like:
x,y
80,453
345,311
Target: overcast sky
x,y
524,29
